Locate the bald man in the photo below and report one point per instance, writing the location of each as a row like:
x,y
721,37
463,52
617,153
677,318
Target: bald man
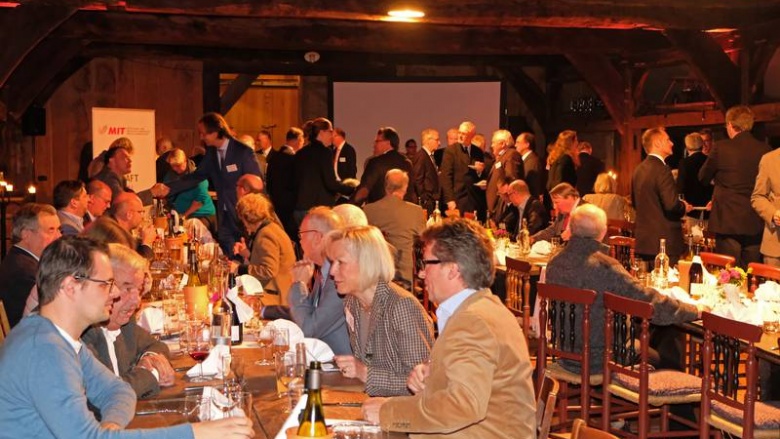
x,y
128,212
249,184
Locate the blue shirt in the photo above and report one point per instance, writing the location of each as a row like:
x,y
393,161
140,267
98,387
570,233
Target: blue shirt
x,y
447,308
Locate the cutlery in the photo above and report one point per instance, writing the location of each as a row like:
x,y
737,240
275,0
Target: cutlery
x,y
344,404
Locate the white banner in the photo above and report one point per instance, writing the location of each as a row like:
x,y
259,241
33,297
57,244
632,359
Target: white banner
x,y
109,124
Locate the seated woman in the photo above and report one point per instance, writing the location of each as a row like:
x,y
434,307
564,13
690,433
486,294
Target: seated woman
x,y
268,253
195,202
615,206
389,331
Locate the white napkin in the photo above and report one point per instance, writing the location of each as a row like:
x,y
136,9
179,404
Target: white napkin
x,y
212,365
768,291
318,350
678,294
292,420
250,283
541,248
217,400
152,319
673,276
296,334
244,311
500,255
750,313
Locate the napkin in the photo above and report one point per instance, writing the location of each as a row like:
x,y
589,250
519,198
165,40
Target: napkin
x,y
296,334
678,294
749,313
768,291
541,248
212,411
152,319
250,283
212,365
318,350
244,311
292,420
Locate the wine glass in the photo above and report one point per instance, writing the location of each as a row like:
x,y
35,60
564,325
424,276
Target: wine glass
x,y
281,340
265,338
285,373
197,345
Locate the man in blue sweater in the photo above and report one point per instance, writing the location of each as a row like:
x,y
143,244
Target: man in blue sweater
x,y
49,377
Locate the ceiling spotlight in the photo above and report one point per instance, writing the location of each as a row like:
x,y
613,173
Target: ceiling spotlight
x,y
406,13
311,57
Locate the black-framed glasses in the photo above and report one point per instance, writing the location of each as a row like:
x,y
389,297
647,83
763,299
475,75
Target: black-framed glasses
x,y
107,283
427,262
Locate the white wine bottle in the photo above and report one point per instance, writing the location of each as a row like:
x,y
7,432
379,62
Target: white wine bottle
x,y
313,419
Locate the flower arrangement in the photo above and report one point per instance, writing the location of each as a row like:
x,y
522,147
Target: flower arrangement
x,y
733,276
501,233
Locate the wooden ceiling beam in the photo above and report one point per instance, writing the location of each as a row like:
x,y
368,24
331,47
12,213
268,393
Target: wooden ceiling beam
x,y
234,91
24,27
322,35
710,64
607,82
532,95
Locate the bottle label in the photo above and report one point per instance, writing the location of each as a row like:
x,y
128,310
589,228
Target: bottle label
x,y
697,291
234,333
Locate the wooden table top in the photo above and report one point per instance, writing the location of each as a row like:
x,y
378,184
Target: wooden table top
x,y
268,416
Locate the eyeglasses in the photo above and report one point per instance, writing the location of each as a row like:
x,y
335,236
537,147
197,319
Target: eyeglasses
x,y
426,262
106,283
301,232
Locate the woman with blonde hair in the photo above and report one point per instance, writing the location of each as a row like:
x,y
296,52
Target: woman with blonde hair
x,y
268,254
605,197
563,160
389,331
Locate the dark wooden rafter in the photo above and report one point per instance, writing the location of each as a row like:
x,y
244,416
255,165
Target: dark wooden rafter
x,y
599,72
709,63
24,27
759,62
532,95
211,98
234,91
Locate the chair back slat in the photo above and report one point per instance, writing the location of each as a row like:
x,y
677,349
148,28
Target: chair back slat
x,y
5,325
622,249
545,406
760,273
518,291
620,227
581,430
726,343
715,261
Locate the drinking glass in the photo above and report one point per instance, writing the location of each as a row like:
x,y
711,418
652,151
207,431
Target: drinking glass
x,y
196,408
281,340
173,308
197,345
284,363
265,339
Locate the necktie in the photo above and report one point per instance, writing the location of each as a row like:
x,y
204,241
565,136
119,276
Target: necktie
x,y
466,149
221,154
316,287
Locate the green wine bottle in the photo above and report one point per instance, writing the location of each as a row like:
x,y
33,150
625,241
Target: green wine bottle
x,y
313,420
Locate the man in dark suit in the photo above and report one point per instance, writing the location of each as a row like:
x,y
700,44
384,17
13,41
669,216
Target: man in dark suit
x,y
532,166
658,209
463,165
694,191
280,180
99,200
35,226
507,166
226,160
733,166
522,206
590,168
71,199
424,171
163,146
565,199
125,348
344,156
386,157
263,148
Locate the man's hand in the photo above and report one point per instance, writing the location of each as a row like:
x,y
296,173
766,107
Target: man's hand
x,y
241,249
700,308
351,367
416,380
371,408
238,427
162,365
303,271
708,207
110,426
160,190
148,234
566,234
479,167
688,206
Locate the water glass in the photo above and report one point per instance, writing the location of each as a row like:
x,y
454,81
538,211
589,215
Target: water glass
x,y
196,408
264,335
284,363
281,340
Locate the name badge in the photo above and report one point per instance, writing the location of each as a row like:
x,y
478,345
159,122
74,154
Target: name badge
x,y
498,165
231,168
342,159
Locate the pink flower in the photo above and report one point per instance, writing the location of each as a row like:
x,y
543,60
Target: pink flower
x,y
724,276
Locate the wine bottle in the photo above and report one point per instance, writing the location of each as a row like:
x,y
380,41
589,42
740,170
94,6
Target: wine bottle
x,y
313,419
195,293
524,238
696,275
661,267
236,327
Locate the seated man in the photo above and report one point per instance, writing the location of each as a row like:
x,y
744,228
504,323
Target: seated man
x,y
119,343
477,383
584,263
71,200
127,214
195,202
565,198
49,378
521,207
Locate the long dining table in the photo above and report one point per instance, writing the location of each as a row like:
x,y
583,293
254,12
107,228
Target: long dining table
x,y
342,396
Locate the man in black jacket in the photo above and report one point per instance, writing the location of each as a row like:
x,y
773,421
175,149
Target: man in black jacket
x,y
386,157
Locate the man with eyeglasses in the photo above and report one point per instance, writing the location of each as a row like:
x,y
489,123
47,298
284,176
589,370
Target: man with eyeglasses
x,y
385,158
125,348
521,206
50,380
477,383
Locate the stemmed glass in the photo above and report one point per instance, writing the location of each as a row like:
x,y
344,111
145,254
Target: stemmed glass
x,y
197,343
264,336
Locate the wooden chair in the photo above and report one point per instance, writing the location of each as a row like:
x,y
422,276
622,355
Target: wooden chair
x,y
726,341
518,291
580,430
5,326
627,335
715,261
545,406
565,312
760,273
622,249
620,228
